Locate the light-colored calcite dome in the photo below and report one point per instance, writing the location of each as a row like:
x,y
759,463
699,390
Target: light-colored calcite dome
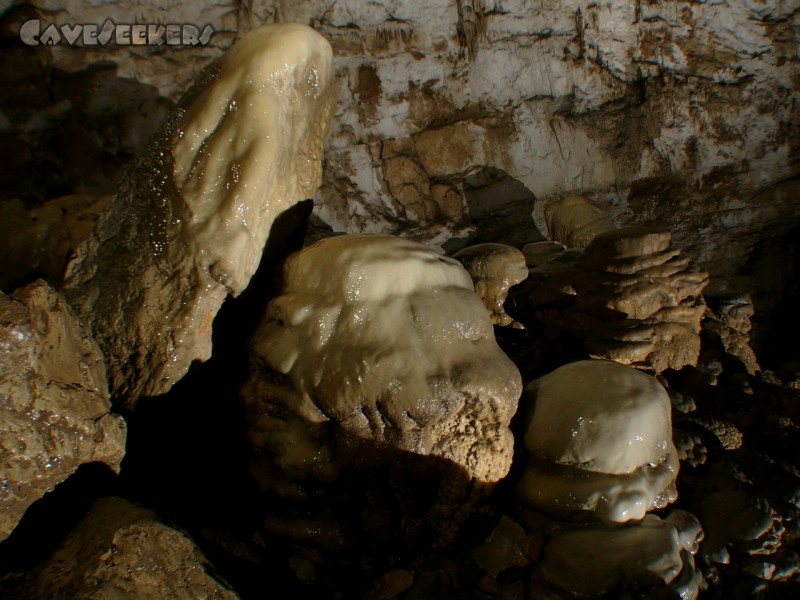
x,y
387,339
600,441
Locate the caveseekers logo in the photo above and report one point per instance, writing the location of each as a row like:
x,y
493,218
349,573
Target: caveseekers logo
x,y
32,34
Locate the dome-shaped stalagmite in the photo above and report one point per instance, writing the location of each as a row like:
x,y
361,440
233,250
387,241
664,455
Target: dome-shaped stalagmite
x,y
494,268
599,441
387,340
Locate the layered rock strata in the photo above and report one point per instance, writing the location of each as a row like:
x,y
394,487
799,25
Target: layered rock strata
x,y
628,297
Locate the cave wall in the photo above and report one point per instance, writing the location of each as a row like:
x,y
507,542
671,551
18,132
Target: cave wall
x,y
682,112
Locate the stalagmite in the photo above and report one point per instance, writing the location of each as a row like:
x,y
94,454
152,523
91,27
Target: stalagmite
x,y
387,340
191,220
600,445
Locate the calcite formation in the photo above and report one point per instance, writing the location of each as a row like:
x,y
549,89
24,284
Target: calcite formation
x,y
54,402
120,550
386,340
628,297
599,439
574,221
728,317
191,220
597,562
654,292
494,268
741,520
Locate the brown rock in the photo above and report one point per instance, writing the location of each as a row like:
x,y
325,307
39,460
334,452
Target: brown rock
x,y
409,184
120,550
54,404
449,200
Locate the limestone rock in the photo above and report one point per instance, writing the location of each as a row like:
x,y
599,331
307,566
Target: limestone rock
x,y
599,442
681,111
120,550
386,340
494,268
191,221
574,221
54,403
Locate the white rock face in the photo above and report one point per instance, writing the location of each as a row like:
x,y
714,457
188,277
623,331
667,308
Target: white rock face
x,y
599,440
387,339
593,562
681,111
191,221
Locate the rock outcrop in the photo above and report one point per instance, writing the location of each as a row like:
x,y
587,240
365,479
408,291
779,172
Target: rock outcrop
x,y
683,112
120,550
54,403
191,221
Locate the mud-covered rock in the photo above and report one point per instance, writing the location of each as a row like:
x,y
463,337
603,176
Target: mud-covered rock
x,y
120,550
54,403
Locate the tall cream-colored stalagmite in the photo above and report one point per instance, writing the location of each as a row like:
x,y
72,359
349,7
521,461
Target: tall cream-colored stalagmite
x,y
191,220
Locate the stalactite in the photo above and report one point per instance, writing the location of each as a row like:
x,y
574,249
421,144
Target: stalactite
x,y
471,25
